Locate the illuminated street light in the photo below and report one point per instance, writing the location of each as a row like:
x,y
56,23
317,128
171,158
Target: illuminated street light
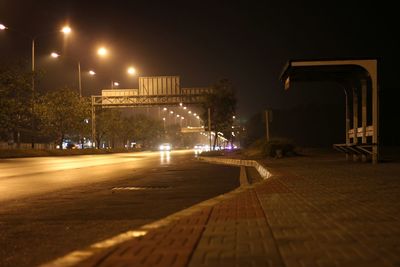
x,y
180,104
114,84
2,27
189,112
91,72
66,30
164,108
102,52
131,71
171,112
54,55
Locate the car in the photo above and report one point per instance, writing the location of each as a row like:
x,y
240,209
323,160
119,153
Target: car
x,y
165,147
198,146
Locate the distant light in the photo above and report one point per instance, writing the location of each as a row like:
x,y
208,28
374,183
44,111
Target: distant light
x,y
116,83
184,107
194,114
54,55
131,71
164,108
198,117
102,51
171,112
66,30
189,112
233,117
3,27
180,104
163,119
177,115
182,118
91,72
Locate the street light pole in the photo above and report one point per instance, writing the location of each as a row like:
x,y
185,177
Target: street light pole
x,y
33,94
79,79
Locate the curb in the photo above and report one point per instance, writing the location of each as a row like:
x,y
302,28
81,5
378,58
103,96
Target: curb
x,y
76,257
265,174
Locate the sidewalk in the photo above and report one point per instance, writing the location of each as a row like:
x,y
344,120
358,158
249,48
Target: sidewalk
x,y
313,211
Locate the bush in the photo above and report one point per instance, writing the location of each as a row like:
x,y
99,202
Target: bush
x,y
278,148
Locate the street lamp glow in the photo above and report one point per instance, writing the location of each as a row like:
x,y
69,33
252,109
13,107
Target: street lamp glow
x,y
54,55
116,83
189,112
164,108
102,51
131,70
180,104
66,30
171,112
91,72
163,119
2,27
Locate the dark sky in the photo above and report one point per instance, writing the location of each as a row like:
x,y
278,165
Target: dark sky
x,y
247,42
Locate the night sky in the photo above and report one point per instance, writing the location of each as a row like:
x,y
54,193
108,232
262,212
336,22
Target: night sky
x,y
248,42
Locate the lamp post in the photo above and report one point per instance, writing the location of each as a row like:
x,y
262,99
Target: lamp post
x,y
91,72
65,30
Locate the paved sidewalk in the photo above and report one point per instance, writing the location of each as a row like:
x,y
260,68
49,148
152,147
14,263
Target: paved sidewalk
x,y
314,211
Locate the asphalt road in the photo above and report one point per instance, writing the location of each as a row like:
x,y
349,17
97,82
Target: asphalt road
x,y
54,205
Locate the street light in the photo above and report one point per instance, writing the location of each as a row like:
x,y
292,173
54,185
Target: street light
x,y
102,51
131,71
91,72
65,30
54,55
114,84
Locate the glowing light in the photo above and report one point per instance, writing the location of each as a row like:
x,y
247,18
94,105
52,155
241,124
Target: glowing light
x,y
66,30
91,72
180,104
131,71
2,27
54,55
102,51
164,108
116,83
171,112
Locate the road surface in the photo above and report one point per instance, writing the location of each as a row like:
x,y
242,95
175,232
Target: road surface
x,y
51,206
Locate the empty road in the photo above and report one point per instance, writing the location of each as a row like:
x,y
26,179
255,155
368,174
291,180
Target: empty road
x,y
50,206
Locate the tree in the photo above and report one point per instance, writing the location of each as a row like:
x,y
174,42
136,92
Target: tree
x,y
222,104
15,102
62,113
109,123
